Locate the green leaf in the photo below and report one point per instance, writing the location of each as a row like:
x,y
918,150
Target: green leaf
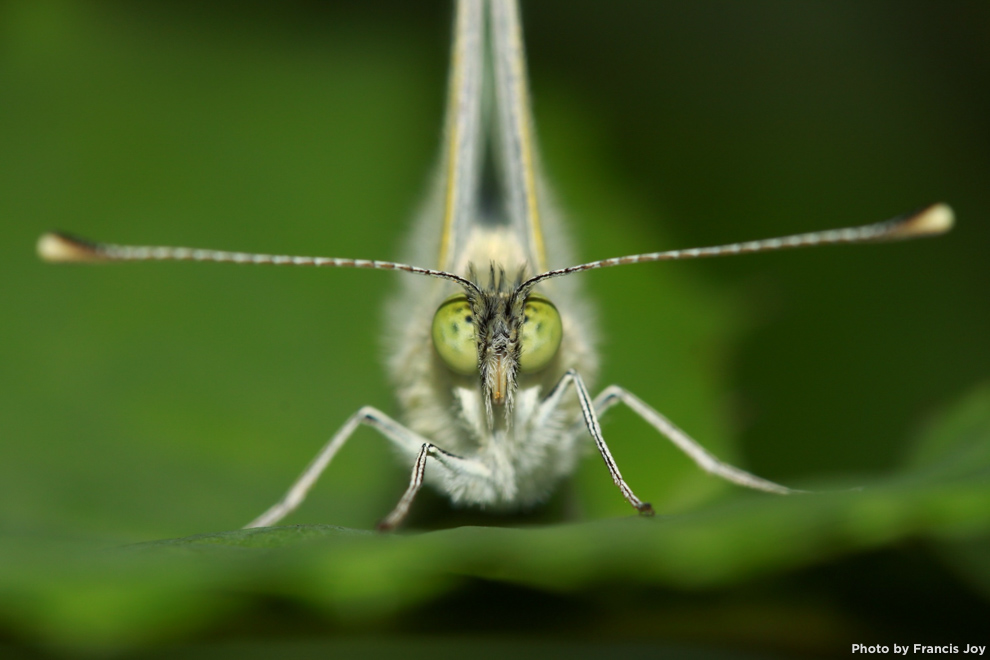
x,y
957,444
81,595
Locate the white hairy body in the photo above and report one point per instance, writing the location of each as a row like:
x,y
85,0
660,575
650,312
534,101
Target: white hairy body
x,y
524,459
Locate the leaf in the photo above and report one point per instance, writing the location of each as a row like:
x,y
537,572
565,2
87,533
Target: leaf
x,y
79,594
956,444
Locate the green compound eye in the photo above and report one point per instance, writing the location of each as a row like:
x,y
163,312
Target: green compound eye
x,y
541,334
454,335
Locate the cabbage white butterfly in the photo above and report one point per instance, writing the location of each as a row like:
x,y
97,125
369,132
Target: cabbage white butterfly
x,y
492,353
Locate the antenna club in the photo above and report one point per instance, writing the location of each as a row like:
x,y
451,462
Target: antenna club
x,y
59,248
933,220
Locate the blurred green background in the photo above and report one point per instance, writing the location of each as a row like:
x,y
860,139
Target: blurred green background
x,y
149,401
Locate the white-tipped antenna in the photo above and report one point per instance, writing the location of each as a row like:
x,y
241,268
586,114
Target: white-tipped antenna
x,y
936,219
62,248
929,221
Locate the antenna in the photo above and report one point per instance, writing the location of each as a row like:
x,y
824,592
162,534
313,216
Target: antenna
x,y
932,220
57,247
929,221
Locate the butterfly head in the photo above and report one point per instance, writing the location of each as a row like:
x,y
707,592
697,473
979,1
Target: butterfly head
x,y
496,332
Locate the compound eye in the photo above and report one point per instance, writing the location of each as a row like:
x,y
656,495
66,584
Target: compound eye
x,y
541,334
454,335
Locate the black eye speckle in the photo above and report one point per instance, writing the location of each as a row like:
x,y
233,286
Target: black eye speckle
x,y
525,318
468,319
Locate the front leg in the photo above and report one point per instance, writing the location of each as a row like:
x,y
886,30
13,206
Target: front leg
x,y
409,441
614,394
453,465
573,379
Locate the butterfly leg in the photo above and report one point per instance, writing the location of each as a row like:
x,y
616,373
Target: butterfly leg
x,y
410,442
573,379
613,394
454,465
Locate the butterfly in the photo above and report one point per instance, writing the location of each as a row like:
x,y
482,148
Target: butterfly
x,y
492,355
